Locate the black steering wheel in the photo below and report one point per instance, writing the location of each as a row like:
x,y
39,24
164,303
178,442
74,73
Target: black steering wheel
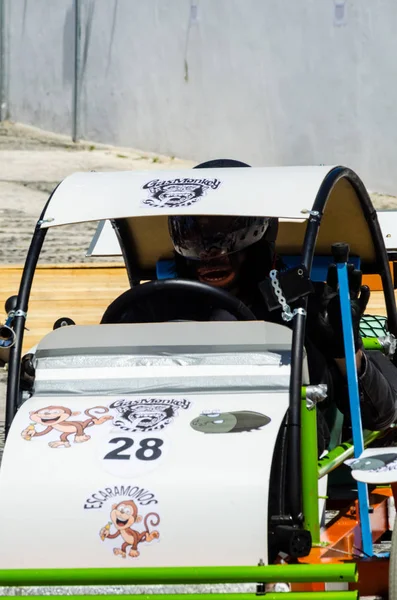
x,y
174,300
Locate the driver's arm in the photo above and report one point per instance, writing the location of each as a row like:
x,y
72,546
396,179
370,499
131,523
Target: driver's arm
x,y
377,387
341,362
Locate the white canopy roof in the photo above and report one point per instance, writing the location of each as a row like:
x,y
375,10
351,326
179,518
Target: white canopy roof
x,y
287,192
105,242
388,224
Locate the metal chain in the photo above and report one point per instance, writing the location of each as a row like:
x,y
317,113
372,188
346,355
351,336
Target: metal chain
x,y
287,314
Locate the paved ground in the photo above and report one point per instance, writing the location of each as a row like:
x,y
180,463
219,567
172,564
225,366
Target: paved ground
x,y
32,162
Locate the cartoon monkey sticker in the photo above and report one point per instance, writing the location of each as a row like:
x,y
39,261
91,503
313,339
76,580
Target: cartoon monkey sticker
x,y
123,516
57,418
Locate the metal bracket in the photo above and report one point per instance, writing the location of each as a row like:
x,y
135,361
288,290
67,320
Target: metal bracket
x,y
315,394
312,213
287,314
389,344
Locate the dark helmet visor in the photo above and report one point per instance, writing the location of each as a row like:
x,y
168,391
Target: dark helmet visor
x,y
206,237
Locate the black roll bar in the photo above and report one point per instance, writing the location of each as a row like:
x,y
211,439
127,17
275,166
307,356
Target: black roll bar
x,y
19,320
299,323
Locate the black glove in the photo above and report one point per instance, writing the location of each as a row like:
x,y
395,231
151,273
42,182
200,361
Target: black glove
x,y
324,319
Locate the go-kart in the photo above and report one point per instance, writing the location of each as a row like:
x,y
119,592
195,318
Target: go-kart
x,y
150,452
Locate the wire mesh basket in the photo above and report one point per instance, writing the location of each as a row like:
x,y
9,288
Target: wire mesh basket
x,y
373,326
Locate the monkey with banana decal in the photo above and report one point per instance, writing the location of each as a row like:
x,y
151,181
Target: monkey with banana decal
x,y
123,516
58,418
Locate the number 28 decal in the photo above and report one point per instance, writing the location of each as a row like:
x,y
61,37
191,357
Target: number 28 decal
x,y
148,449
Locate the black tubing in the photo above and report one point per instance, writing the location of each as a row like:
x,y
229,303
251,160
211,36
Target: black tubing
x,y
18,323
14,365
128,249
294,419
299,324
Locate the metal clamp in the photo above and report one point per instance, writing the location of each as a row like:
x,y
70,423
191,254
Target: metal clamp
x,y
287,314
20,313
315,394
312,213
389,344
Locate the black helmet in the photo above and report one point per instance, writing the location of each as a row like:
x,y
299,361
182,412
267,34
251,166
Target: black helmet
x,y
204,238
207,237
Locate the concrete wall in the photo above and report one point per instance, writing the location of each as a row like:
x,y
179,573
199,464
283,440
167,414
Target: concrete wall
x,y
267,81
41,59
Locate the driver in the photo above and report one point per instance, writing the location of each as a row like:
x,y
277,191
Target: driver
x,y
236,253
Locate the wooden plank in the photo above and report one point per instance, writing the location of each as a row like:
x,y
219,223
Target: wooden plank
x,y
82,294
10,266
74,291
376,304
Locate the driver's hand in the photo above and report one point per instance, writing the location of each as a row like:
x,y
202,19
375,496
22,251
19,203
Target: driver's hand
x,y
324,319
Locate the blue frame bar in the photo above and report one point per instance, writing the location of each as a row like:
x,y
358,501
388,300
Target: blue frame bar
x,y
354,398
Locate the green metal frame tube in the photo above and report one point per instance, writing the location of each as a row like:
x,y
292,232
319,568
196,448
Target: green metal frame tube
x,y
372,343
299,573
309,471
235,596
338,455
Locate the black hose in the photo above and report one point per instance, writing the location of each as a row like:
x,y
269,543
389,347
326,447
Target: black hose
x,y
14,366
298,339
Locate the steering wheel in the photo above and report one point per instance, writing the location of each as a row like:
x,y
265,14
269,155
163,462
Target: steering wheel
x,y
174,300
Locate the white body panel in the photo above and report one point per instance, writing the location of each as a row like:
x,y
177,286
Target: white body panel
x,y
209,490
104,242
196,449
388,224
287,192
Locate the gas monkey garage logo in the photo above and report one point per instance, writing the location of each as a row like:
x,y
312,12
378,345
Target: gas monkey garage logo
x,y
173,193
147,414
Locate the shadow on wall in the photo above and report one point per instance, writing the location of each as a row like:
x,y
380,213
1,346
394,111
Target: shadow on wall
x,y
68,48
112,32
86,17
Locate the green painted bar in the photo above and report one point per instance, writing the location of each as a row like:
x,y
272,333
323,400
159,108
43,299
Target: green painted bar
x,y
338,455
235,596
309,471
179,575
372,343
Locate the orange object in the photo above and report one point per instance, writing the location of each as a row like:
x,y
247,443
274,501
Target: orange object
x,y
340,542
374,282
